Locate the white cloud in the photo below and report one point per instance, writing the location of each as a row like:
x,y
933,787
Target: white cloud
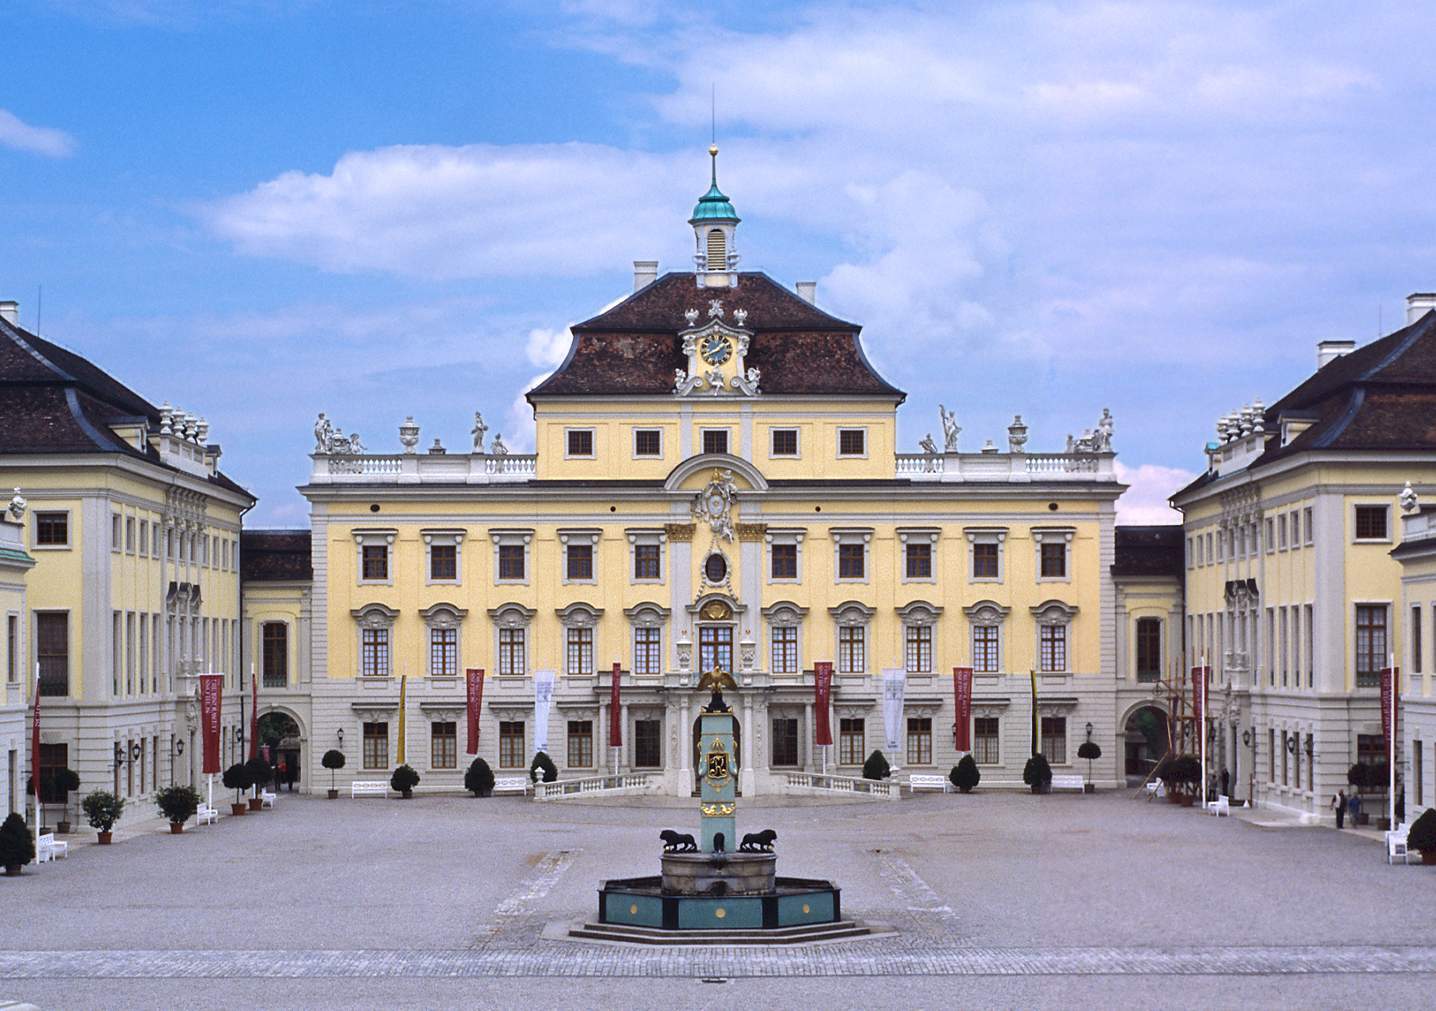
x,y
548,346
1149,487
15,133
519,421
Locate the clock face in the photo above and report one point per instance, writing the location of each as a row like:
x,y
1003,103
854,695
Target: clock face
x,y
716,350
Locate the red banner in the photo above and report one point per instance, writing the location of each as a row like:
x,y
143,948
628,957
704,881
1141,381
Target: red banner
x,y
1199,697
474,683
615,714
822,692
253,714
1390,698
211,691
35,747
962,708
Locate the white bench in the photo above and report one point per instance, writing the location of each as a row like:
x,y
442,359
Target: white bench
x,y
368,788
1221,806
205,815
1396,845
512,784
267,799
1069,782
926,781
1156,788
47,848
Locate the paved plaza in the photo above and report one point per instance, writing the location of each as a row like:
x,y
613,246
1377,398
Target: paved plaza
x,y
1004,899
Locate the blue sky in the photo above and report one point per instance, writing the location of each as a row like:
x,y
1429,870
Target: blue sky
x,y
262,210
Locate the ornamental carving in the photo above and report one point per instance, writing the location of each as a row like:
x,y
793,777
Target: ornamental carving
x,y
752,531
679,531
714,504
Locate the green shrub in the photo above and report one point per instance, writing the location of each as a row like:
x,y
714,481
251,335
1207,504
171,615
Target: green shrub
x,y
404,778
1037,773
236,778
1089,750
542,765
965,775
177,803
1182,773
102,809
479,780
17,842
1423,832
876,767
333,759
259,771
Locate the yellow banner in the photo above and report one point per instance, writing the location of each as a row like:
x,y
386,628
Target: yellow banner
x,y
403,694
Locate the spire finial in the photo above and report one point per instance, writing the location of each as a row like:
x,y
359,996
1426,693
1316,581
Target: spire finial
x,y
713,153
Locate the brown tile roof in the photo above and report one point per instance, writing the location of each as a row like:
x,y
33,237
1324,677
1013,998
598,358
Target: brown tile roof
x,y
275,556
1149,551
634,348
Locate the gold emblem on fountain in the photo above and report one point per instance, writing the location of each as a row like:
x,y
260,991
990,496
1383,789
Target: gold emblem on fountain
x,y
716,765
718,810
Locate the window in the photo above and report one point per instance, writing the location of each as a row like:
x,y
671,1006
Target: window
x,y
579,562
443,652
715,647
715,440
511,562
116,532
1054,739
1306,523
376,562
1370,749
1271,755
1149,649
715,569
580,744
443,744
52,530
919,649
512,754
647,650
852,640
785,741
1371,523
374,652
646,562
919,560
1053,648
984,739
1370,643
52,650
919,740
12,648
53,758
984,560
1270,528
1310,647
1416,640
443,562
580,442
852,442
580,651
1418,773
850,741
785,442
783,561
984,649
274,653
852,558
785,649
129,535
717,250
376,745
1281,532
1285,760
1054,560
647,442
647,743
511,651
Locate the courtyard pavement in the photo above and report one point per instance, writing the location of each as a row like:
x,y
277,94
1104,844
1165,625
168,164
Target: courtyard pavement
x,y
999,899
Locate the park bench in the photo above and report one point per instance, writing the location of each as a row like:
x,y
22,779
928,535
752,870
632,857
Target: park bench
x,y
511,784
47,848
1155,789
1068,782
205,815
267,799
1396,845
368,788
1221,806
926,781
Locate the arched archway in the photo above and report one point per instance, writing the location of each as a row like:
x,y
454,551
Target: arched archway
x,y
280,731
1146,739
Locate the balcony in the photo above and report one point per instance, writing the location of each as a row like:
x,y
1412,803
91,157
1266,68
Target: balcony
x,y
423,468
1019,468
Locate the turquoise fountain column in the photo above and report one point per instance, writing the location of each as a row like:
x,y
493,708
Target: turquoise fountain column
x,y
719,790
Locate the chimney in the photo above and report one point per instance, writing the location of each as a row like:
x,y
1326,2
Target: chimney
x,y
808,291
1330,351
10,311
645,272
1418,304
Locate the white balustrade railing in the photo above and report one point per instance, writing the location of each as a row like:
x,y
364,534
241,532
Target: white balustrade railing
x,y
423,468
632,782
885,789
1008,467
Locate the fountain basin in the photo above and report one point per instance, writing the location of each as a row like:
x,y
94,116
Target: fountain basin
x,y
719,874
644,902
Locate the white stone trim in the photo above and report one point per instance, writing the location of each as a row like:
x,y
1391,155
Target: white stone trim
x,y
513,536
1048,535
367,537
987,535
454,537
783,535
852,535
649,536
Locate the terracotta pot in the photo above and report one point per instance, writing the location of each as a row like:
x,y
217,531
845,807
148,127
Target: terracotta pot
x,y
1188,800
1089,787
176,828
238,809
254,803
12,870
333,794
1428,857
408,794
105,838
64,828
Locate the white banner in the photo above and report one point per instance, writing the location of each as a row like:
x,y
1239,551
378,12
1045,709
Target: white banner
x,y
894,682
543,701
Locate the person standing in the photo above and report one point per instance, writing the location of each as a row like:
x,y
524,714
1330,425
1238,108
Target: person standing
x,y
1226,782
1338,804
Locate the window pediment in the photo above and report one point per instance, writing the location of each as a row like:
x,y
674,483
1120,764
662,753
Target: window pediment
x,y
852,612
511,615
1054,612
579,615
785,613
443,615
374,616
986,612
919,612
647,614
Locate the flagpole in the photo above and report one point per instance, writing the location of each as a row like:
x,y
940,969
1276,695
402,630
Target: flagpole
x,y
1202,727
1391,757
34,749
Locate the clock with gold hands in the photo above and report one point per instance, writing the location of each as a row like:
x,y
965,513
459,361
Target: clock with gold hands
x,y
716,349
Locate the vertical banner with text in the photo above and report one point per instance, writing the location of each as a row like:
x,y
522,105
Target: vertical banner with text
x,y
474,687
1389,700
1199,698
35,748
822,695
962,708
211,695
894,686
402,757
253,712
543,702
615,713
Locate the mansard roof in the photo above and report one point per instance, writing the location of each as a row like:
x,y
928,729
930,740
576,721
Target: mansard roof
x,y
633,348
275,556
1149,551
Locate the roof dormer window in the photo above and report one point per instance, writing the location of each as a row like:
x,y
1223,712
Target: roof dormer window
x,y
717,250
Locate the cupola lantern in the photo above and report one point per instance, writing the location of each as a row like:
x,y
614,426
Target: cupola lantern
x,y
714,222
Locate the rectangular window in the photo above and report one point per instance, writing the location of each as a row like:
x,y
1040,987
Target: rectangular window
x,y
1281,645
52,530
646,561
785,649
647,744
647,650
1149,649
274,653
984,649
580,651
511,651
852,560
512,754
443,744
850,741
1054,560
1370,644
1371,523
785,741
376,562
579,562
580,744
374,652
852,654
785,442
852,442
1285,760
443,652
919,649
984,739
1054,739
12,648
715,440
919,740
376,745
1271,755
443,562
1310,647
53,758
984,560
1053,643
1416,659
1418,771
1370,749
783,561
1306,522
511,562
919,561
1281,531
647,442
52,650
580,442
715,647
129,535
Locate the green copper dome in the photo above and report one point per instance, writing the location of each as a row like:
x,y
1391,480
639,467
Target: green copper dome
x,y
713,205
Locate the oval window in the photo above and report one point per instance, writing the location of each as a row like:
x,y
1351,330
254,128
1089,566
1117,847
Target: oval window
x,y
715,569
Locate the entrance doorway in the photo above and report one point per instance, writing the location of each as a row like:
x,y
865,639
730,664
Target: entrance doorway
x,y
1146,743
280,733
736,761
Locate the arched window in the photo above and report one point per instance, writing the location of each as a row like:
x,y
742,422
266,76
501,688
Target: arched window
x,y
717,249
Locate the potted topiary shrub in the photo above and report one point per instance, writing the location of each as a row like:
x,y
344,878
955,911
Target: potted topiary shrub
x,y
1182,775
1037,773
102,809
333,759
876,767
1422,836
258,770
17,845
479,780
236,778
66,781
1089,750
965,774
404,780
543,766
178,804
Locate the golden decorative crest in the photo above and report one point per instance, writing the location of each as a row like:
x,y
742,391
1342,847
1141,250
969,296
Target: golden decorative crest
x,y
716,766
721,810
715,610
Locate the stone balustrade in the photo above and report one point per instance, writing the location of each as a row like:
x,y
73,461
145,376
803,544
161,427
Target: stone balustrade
x,y
1006,467
423,468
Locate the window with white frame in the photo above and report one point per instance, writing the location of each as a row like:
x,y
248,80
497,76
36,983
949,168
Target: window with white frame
x,y
444,551
1054,620
580,555
986,749
578,443
580,624
852,442
985,619
511,555
785,549
784,623
784,442
850,547
647,621
374,548
1371,523
1054,548
375,623
647,443
715,440
511,625
646,550
919,554
852,621
52,529
443,622
985,549
1306,524
1054,739
919,622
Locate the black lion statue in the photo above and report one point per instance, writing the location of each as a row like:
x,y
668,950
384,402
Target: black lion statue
x,y
677,842
758,842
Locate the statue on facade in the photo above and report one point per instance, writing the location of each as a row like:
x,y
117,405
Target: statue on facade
x,y
1408,498
927,445
499,449
356,448
747,384
323,434
16,508
714,379
1102,438
684,384
950,429
479,431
